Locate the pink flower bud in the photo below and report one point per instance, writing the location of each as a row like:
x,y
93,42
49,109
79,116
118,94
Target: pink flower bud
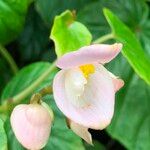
x,y
31,125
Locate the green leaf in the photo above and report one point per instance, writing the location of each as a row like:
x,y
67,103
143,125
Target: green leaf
x,y
131,122
132,49
97,25
144,35
3,137
61,137
134,13
34,40
68,34
12,16
48,9
25,78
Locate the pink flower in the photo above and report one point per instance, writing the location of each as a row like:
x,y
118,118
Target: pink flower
x,y
31,125
84,90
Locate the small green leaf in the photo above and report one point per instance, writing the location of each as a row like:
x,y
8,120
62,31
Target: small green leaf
x,y
3,137
132,49
12,16
68,34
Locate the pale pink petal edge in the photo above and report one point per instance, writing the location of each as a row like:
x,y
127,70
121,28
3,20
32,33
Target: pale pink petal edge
x,y
96,53
118,83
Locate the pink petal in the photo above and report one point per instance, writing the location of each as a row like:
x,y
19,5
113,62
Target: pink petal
x,y
31,125
118,83
81,131
97,53
99,90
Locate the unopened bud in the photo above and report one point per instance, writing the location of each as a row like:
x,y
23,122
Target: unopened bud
x,y
31,125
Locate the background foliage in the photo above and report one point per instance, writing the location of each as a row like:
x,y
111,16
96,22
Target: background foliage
x,y
25,29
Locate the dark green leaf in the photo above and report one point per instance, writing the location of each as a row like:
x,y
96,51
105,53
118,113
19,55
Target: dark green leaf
x,y
12,16
132,49
34,39
97,25
48,9
69,34
132,12
143,33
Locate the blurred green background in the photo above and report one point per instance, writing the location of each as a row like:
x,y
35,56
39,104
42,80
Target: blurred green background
x,y
24,30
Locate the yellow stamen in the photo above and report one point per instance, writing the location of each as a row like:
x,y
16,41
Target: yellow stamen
x,y
87,69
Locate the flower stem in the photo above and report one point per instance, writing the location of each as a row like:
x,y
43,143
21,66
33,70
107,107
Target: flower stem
x,y
34,85
36,98
9,59
46,90
104,38
3,108
11,102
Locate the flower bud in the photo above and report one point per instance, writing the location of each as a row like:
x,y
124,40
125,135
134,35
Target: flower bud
x,y
31,125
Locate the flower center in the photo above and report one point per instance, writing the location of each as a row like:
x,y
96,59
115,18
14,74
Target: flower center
x,y
87,70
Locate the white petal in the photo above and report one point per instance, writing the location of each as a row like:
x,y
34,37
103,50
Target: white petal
x,y
98,93
74,87
81,131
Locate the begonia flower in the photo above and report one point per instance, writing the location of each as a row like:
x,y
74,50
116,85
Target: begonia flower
x,y
84,90
31,125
